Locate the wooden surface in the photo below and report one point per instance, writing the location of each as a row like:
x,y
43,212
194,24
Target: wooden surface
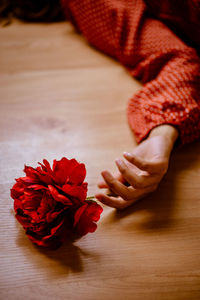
x,y
59,97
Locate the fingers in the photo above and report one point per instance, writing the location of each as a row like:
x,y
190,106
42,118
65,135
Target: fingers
x,y
135,180
114,202
125,195
118,176
116,186
102,185
149,166
120,203
142,175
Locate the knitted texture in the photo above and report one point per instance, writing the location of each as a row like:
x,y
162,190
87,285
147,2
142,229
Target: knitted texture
x,y
135,34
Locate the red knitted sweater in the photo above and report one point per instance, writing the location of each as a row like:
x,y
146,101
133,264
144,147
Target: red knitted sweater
x,y
140,34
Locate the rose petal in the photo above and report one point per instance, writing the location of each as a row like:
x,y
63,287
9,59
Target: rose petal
x,y
44,206
51,215
46,240
62,169
78,174
86,216
78,213
58,197
46,167
18,205
27,179
17,190
31,172
37,241
37,187
24,220
79,192
54,230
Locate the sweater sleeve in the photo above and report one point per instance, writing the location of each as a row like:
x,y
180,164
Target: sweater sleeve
x,y
168,68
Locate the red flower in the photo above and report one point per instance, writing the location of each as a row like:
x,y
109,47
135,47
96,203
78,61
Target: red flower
x,y
51,204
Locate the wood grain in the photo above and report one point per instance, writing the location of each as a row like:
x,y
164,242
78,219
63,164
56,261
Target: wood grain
x,y
59,97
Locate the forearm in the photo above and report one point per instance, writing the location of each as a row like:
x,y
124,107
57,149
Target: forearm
x,y
153,54
169,132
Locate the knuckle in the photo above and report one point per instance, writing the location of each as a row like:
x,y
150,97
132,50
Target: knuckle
x,y
132,160
153,188
130,198
112,183
144,165
124,194
127,197
123,171
162,173
164,167
123,168
123,205
140,183
120,207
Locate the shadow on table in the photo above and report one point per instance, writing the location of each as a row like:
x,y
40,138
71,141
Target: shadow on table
x,y
69,258
158,207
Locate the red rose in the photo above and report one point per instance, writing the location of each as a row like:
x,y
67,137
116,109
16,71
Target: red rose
x,y
51,204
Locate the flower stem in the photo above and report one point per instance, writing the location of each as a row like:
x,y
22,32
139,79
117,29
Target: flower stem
x,y
90,198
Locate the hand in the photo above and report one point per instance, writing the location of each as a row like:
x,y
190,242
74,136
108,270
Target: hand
x,y
143,170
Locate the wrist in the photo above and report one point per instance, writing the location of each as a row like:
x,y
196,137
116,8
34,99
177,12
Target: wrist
x,y
168,131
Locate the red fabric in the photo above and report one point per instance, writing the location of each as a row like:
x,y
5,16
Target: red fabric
x,y
135,33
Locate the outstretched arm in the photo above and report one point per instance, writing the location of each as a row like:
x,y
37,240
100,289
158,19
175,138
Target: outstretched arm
x,y
167,106
169,69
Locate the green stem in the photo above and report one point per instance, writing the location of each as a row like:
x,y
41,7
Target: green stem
x,y
90,198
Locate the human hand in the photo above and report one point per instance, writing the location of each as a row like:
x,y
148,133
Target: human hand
x,y
143,170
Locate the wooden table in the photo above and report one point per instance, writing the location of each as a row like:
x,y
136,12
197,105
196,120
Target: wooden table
x,y
59,97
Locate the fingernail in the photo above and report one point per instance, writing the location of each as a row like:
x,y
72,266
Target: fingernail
x,y
106,174
119,162
127,154
98,197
